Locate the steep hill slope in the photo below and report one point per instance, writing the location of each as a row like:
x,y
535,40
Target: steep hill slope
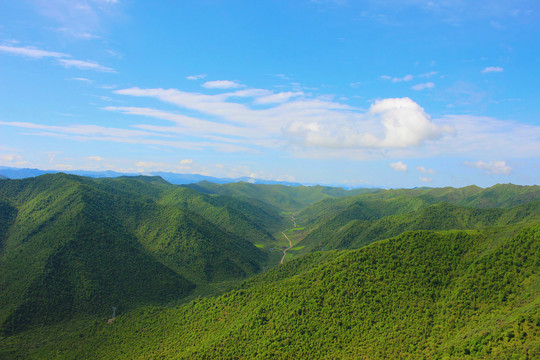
x,y
250,219
72,245
61,257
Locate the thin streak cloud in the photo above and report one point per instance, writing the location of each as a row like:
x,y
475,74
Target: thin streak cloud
x,y
85,65
31,52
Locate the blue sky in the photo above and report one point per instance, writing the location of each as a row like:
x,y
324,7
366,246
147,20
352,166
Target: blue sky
x,y
358,93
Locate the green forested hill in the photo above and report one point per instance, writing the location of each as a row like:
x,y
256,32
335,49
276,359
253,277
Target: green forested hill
x,y
73,245
451,295
500,195
436,273
358,225
247,218
288,198
354,221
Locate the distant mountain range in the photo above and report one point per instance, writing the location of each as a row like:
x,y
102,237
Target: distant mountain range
x,y
173,178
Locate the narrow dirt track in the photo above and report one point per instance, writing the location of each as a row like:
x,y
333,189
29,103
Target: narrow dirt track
x,y
289,240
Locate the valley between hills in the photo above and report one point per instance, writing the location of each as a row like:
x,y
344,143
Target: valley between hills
x,y
254,271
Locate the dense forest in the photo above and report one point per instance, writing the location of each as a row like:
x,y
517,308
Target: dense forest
x,y
194,271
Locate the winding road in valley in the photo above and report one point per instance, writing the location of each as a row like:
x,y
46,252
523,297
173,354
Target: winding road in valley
x,y
289,240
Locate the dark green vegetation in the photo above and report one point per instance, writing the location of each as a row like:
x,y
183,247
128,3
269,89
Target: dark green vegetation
x,y
435,273
72,245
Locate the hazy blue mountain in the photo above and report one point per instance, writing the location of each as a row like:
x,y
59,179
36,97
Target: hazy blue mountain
x,y
173,178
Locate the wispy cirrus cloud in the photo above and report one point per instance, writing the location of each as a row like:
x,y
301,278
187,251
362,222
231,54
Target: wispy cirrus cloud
x,y
489,137
196,77
408,77
81,130
65,60
428,74
85,80
423,86
491,69
184,124
81,19
222,84
492,167
31,52
85,65
120,135
278,98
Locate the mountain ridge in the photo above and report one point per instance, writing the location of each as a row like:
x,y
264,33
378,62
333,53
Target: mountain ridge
x,y
405,273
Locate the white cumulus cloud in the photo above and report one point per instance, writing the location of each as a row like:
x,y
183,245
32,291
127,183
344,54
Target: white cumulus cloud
x,y
405,123
389,123
423,170
399,166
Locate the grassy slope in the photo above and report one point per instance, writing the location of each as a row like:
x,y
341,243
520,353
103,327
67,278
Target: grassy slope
x,y
424,294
